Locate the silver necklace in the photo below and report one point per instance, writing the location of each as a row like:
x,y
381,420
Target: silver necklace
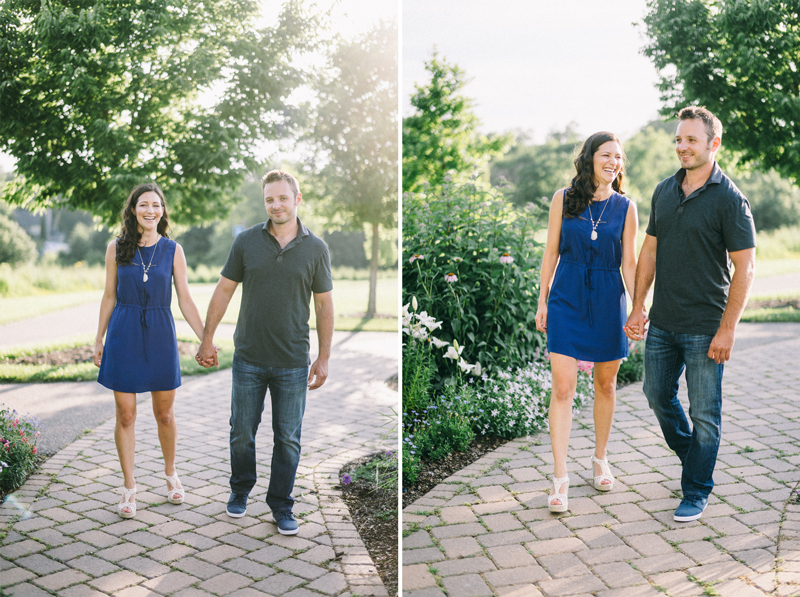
x,y
594,224
147,269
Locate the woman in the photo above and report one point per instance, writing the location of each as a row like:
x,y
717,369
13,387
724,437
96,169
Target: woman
x,y
141,352
591,233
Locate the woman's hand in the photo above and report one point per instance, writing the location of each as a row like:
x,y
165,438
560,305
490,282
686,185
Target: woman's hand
x,y
541,318
98,352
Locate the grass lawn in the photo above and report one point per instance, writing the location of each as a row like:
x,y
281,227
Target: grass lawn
x,y
777,315
23,307
349,301
19,373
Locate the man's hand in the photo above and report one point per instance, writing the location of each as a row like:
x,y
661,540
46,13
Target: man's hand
x,y
317,374
207,354
634,328
721,346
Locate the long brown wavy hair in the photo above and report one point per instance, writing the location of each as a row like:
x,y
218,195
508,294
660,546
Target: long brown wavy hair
x,y
129,237
582,188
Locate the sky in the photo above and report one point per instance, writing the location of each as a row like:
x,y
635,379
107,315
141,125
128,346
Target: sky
x,y
538,65
349,17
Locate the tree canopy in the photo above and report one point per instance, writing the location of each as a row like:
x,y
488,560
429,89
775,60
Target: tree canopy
x,y
99,95
742,61
355,128
441,135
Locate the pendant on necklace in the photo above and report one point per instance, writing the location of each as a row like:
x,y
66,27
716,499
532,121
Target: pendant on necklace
x,y
594,235
144,278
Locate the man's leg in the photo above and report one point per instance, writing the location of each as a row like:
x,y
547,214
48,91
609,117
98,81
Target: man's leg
x,y
247,404
704,383
663,365
287,389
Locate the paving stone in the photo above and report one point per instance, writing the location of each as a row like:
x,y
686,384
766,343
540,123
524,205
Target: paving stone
x,y
563,564
225,583
61,580
510,556
80,591
116,581
70,551
564,587
14,576
460,547
25,590
170,582
300,568
273,553
459,530
144,566
476,565
21,548
554,546
506,538
457,514
619,574
39,564
278,584
662,563
119,552
92,565
467,585
650,545
501,522
516,576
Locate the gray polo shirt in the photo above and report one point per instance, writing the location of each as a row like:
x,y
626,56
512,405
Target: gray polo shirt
x,y
272,329
694,235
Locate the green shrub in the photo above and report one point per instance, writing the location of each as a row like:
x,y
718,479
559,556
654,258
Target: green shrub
x,y
454,239
513,404
44,278
778,244
16,247
87,245
18,438
631,369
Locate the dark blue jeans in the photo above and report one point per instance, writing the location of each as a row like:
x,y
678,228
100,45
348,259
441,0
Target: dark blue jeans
x,y
665,357
287,390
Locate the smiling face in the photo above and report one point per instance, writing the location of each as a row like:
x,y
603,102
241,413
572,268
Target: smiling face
x,y
280,202
607,163
692,145
149,211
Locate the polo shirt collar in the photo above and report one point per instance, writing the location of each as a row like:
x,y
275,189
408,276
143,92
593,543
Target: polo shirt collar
x,y
715,178
301,229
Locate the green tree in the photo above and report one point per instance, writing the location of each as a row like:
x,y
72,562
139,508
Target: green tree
x,y
16,247
775,201
441,135
651,159
99,95
356,130
742,61
535,172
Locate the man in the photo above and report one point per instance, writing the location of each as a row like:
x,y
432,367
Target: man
x,y
279,263
698,220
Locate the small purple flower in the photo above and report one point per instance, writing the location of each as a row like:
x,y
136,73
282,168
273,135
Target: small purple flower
x,y
505,259
346,479
389,454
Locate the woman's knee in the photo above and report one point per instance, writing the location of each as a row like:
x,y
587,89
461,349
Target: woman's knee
x,y
563,392
165,418
126,418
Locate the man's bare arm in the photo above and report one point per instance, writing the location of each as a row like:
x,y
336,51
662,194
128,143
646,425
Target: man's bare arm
x,y
722,344
645,274
323,307
207,355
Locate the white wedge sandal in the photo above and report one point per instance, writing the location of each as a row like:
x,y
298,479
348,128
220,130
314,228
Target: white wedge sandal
x,y
563,484
605,475
176,494
127,502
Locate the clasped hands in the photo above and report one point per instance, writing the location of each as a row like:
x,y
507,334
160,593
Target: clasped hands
x,y
207,355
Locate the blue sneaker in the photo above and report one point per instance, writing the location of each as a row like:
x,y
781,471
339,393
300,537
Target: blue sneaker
x,y
691,508
287,524
237,505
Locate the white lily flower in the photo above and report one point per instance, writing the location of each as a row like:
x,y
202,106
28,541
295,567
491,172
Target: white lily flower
x,y
428,321
414,304
439,343
465,367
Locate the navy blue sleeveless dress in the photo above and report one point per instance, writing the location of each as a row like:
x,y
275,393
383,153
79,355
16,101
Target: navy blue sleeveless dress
x,y
141,350
586,308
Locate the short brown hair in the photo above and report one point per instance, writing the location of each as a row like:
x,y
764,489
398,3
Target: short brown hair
x,y
713,125
278,175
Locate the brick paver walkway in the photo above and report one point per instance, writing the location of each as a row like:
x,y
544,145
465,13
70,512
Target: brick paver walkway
x,y
70,542
487,530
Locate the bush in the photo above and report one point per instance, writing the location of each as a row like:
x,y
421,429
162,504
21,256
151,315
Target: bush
x,y
631,369
87,245
513,404
470,257
18,437
16,247
46,278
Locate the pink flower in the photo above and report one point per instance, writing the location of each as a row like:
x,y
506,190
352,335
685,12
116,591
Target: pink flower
x,y
585,366
451,277
415,257
34,449
505,259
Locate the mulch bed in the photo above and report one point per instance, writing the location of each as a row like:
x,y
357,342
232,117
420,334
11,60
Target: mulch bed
x,y
374,513
433,472
78,354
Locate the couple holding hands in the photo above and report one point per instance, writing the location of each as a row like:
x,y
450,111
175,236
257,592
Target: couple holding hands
x,y
280,265
699,223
